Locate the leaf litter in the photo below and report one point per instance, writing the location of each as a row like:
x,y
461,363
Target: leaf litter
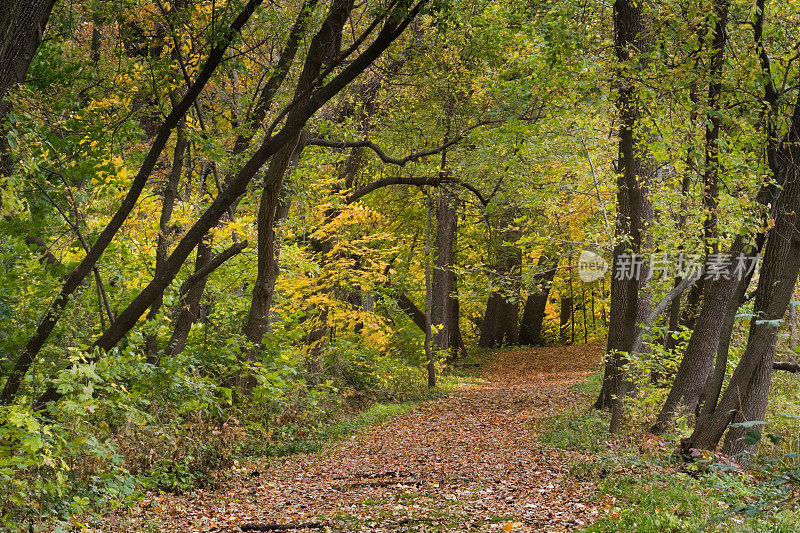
x,y
469,461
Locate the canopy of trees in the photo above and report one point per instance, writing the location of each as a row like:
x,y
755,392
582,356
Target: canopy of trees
x,y
261,212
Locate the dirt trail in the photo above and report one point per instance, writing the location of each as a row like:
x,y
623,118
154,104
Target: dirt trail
x,y
467,462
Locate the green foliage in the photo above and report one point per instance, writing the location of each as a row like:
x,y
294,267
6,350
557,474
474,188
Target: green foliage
x,y
584,432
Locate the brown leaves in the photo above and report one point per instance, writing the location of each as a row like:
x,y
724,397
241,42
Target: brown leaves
x,y
469,461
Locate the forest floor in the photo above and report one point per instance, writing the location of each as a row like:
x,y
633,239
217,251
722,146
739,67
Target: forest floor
x,y
469,461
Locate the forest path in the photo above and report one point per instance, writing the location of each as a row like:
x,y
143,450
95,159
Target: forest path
x,y
467,462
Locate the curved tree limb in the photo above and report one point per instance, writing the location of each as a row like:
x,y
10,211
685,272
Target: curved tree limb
x,y
401,161
409,180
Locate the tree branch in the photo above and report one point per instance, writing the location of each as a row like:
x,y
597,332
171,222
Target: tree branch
x,y
418,181
788,366
211,266
402,161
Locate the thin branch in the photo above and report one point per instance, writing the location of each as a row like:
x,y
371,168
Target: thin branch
x,y
212,265
594,177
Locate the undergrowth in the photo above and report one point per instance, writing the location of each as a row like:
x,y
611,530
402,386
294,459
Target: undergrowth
x,y
114,437
639,485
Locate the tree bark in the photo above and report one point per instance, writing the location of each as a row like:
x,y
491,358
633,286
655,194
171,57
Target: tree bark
x,y
530,329
696,365
169,196
501,321
22,25
413,312
564,316
189,311
429,353
443,278
632,44
267,273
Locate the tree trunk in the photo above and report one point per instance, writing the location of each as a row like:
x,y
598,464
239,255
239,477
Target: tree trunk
x,y
429,353
565,314
530,329
189,311
169,196
267,273
457,347
713,386
443,278
632,44
501,321
745,397
696,365
22,25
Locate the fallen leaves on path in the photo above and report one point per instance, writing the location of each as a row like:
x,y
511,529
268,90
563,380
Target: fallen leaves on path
x,y
467,462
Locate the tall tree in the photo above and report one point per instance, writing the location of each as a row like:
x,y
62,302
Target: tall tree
x,y
632,44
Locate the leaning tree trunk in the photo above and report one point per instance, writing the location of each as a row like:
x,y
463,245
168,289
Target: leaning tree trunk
x,y
267,271
530,327
169,197
22,24
745,398
698,359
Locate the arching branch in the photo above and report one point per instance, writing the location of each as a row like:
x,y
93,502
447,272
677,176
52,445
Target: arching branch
x,y
402,161
418,181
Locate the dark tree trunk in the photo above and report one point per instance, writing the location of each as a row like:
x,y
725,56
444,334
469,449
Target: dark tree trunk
x,y
457,346
745,397
530,328
443,278
267,272
632,44
713,123
22,25
564,317
696,365
190,305
713,386
189,311
501,321
416,315
169,196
